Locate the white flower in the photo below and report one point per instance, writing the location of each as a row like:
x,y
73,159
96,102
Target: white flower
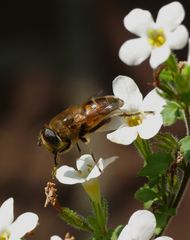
x,y
55,237
87,169
156,39
188,55
140,117
141,226
10,230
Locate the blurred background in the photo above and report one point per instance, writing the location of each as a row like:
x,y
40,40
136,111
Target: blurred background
x,y
54,54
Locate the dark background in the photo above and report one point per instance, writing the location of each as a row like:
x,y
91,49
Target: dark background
x,y
54,54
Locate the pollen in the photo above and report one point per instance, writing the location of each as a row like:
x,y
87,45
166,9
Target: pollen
x,y
134,120
4,236
156,37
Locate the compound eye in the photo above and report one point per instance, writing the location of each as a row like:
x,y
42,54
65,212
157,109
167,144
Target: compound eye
x,y
51,137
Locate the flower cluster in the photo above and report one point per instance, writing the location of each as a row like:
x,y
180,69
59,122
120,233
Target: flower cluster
x,y
15,230
156,39
136,121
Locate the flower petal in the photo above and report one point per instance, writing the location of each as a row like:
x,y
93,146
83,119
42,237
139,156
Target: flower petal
x,y
125,135
114,123
125,234
6,213
188,56
103,163
170,15
153,102
23,224
138,21
126,89
134,51
142,224
55,237
99,167
163,238
159,55
178,38
150,126
84,162
68,175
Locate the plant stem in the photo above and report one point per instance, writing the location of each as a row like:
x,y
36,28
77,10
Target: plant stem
x,y
100,216
180,194
187,120
143,147
186,173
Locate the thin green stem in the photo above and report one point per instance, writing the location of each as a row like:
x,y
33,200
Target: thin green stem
x,y
187,120
186,174
143,147
180,194
100,217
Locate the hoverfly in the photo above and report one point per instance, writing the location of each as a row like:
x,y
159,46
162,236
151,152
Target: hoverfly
x,y
76,122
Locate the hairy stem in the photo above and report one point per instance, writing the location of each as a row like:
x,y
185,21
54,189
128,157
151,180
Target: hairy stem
x,y
143,147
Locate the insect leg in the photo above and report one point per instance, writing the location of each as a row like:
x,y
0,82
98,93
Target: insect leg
x,y
78,147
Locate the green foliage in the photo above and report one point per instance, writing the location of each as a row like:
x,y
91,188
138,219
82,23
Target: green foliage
x,y
115,233
162,217
74,219
157,164
145,194
174,81
185,148
171,113
166,142
172,63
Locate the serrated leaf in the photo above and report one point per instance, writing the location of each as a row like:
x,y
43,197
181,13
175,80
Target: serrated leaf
x,y
185,147
75,220
165,76
157,164
186,70
172,63
145,194
167,142
171,113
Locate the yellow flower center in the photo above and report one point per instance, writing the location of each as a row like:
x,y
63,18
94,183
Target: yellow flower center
x,y
156,37
4,236
134,120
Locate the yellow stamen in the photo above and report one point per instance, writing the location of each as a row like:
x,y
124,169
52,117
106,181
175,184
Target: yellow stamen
x,y
4,236
134,120
156,37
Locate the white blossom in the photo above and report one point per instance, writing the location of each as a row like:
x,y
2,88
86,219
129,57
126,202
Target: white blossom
x,y
15,230
155,39
140,116
141,226
87,169
55,237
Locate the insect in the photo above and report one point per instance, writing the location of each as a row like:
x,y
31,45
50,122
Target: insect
x,y
76,122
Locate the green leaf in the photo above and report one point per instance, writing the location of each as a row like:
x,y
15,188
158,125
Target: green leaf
x,y
171,113
161,220
172,63
162,217
75,220
185,147
186,70
166,142
157,164
166,76
145,194
116,232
